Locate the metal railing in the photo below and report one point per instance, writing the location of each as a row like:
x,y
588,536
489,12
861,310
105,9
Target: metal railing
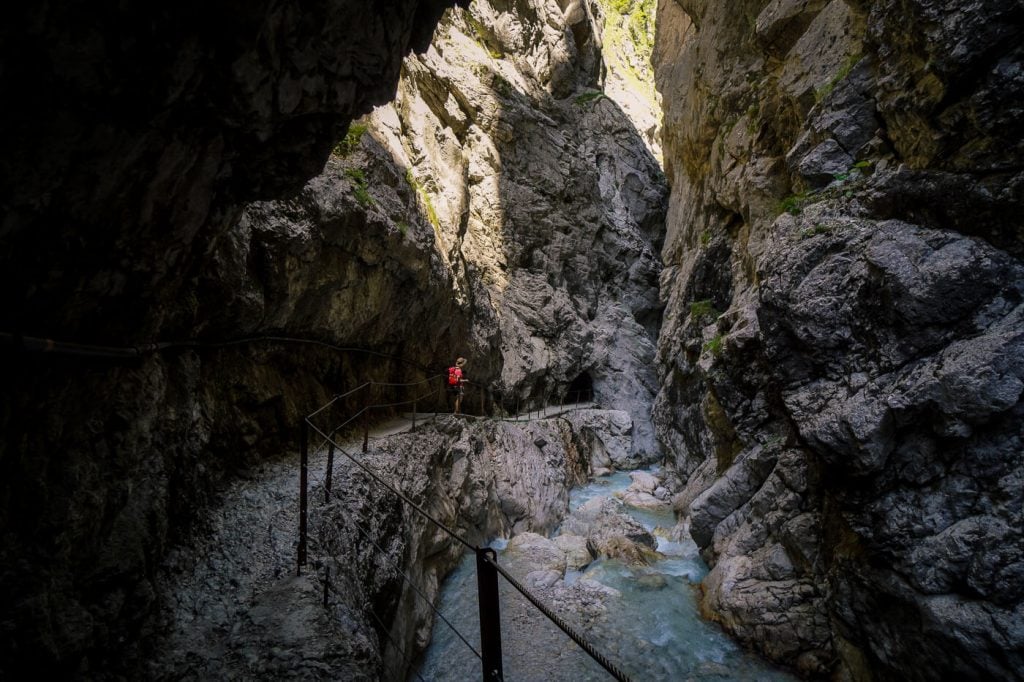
x,y
355,423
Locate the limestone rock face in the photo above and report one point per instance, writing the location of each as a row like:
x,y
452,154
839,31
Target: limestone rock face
x,y
546,204
840,360
509,218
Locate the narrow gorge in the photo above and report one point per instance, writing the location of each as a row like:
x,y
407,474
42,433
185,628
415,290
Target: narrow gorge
x,y
765,256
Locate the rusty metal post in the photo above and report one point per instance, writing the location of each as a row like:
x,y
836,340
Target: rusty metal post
x,y
490,613
303,486
330,471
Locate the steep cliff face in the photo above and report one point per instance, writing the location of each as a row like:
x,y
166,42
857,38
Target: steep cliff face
x,y
512,216
841,358
548,204
414,247
132,137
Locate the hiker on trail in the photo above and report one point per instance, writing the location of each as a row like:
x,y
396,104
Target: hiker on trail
x,y
456,379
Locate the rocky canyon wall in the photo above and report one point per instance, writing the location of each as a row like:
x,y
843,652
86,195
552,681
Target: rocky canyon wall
x,y
156,189
544,203
133,137
841,361
501,208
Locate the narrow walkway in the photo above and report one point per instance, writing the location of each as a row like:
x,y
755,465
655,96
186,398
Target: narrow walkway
x,y
247,542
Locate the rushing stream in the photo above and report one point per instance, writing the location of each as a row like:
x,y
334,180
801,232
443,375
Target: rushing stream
x,y
652,631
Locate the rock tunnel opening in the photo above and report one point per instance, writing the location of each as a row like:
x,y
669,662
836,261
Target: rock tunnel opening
x,y
580,389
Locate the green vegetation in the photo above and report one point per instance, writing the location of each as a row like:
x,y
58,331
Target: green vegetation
x,y
845,185
588,97
424,197
403,228
641,25
704,310
638,19
359,187
628,40
844,71
752,123
714,346
819,228
794,203
705,237
483,37
351,140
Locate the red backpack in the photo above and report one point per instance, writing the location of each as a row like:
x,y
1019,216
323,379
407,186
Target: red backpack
x,y
454,375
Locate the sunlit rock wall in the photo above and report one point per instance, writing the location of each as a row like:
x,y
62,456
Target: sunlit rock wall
x,y
512,216
548,204
841,359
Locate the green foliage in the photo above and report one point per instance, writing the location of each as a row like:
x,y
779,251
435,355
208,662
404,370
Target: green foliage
x,y
752,122
424,197
641,25
715,345
861,165
794,204
359,188
620,6
702,310
351,140
588,97
819,228
705,237
403,228
844,71
483,37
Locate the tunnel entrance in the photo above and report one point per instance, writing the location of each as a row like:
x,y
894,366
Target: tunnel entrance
x,y
581,389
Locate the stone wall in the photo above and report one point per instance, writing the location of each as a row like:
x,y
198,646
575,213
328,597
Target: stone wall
x,y
840,359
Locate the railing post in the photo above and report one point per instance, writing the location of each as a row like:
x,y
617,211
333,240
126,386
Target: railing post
x,y
330,470
413,415
327,583
490,614
366,434
303,480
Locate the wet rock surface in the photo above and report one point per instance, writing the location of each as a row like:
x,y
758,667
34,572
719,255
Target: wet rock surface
x,y
840,359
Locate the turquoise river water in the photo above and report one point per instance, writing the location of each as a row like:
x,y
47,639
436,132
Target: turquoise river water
x,y
652,630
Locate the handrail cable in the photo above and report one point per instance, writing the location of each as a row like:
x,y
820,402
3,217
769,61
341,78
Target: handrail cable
x,y
554,618
39,344
367,408
397,492
420,593
565,627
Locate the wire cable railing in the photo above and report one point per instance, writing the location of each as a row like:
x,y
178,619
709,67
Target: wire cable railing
x,y
488,569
